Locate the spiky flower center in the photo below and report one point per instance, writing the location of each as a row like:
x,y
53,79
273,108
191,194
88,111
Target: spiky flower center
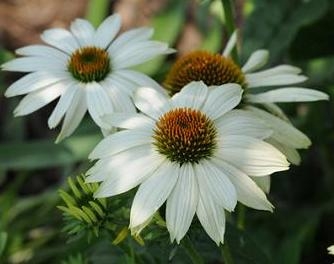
x,y
89,64
212,69
185,135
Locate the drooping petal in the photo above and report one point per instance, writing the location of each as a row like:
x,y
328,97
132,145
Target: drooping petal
x,y
62,106
35,81
182,203
263,182
212,180
153,192
291,94
192,95
83,31
291,154
230,44
32,64
283,131
278,70
251,155
240,122
129,121
98,103
247,191
257,59
61,39
255,80
222,99
107,31
151,102
43,51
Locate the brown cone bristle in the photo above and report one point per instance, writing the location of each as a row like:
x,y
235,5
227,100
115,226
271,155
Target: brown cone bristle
x,y
212,69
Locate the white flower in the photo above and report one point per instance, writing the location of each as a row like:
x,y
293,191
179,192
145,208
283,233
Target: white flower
x,y
86,68
191,150
216,69
331,250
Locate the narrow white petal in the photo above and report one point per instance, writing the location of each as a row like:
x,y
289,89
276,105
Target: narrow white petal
x,y
256,60
230,44
128,120
60,39
182,203
83,31
291,94
283,132
43,51
248,192
120,141
153,192
222,99
212,217
263,182
74,115
32,64
214,181
192,95
278,70
98,103
107,31
34,81
241,122
128,169
63,104
37,99
151,102
276,110
254,80
129,37
139,53
291,154
251,155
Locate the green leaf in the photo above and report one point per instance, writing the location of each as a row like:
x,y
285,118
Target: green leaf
x,y
44,153
97,10
273,25
3,242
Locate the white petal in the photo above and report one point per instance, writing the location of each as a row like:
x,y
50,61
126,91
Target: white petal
x,y
251,155
138,53
240,122
98,103
283,132
32,64
212,217
212,180
230,44
74,115
128,120
37,99
107,31
278,70
291,154
34,81
182,203
43,51
129,37
128,169
83,31
276,110
192,95
254,80
63,104
247,191
291,94
153,192
60,39
256,60
222,99
263,182
120,141
151,102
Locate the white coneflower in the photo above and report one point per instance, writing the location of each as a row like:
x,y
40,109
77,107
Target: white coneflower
x,y
191,150
86,68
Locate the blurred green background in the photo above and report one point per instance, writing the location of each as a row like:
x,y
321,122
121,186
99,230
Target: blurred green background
x,y
33,168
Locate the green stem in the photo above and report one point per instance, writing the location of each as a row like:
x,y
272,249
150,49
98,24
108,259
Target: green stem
x,y
228,10
227,254
241,217
191,251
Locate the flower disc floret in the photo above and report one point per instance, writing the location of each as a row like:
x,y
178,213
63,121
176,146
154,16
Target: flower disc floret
x,y
212,69
185,135
89,64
